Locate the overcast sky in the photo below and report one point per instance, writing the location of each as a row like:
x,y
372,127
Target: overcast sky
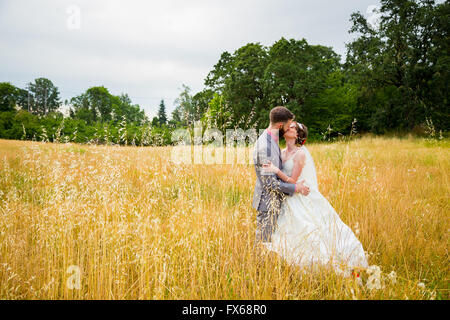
x,y
148,49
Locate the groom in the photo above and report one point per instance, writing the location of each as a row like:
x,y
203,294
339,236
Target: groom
x,y
269,189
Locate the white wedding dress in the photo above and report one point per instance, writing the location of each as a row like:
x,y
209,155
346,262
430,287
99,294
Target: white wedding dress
x,y
310,233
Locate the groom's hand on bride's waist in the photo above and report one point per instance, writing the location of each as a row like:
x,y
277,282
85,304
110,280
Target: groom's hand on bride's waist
x,y
301,188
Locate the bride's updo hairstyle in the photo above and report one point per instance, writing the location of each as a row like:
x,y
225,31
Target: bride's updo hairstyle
x,y
302,134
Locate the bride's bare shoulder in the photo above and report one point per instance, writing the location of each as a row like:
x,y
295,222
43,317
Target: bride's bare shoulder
x,y
300,155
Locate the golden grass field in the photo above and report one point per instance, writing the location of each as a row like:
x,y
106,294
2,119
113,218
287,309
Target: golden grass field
x,y
139,227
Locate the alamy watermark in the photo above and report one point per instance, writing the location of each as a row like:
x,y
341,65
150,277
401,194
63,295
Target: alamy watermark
x,y
74,280
211,146
73,21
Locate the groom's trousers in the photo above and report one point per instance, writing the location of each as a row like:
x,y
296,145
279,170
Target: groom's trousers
x,y
265,226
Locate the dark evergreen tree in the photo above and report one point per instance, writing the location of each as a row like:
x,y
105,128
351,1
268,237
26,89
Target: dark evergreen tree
x,y
162,117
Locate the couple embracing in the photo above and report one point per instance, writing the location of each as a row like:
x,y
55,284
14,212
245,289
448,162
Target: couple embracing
x,y
294,219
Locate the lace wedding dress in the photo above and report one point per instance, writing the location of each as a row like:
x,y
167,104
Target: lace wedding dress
x,y
309,231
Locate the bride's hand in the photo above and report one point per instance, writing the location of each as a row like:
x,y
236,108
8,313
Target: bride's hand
x,y
302,187
270,167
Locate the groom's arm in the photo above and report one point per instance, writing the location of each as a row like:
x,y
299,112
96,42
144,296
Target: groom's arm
x,y
273,183
270,180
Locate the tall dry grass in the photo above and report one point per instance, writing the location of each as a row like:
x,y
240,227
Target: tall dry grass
x,y
139,227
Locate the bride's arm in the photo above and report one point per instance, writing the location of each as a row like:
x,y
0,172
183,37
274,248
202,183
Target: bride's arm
x,y
299,163
279,173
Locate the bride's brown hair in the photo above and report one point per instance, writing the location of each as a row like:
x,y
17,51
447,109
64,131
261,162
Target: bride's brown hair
x,y
302,133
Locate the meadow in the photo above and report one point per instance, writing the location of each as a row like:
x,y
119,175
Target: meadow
x,y
122,222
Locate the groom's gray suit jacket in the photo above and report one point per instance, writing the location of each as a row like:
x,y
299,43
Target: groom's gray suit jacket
x,y
269,189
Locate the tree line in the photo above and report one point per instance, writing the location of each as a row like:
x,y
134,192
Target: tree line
x,y
395,78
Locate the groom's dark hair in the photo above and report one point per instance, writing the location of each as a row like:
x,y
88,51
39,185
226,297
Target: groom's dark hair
x,y
280,114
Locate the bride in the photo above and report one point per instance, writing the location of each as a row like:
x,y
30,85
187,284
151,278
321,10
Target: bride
x,y
309,232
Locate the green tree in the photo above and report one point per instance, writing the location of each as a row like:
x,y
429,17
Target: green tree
x,y
255,79
44,97
123,106
155,122
402,66
93,105
26,125
177,116
239,78
98,105
162,117
201,101
218,115
185,111
335,106
297,72
8,96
